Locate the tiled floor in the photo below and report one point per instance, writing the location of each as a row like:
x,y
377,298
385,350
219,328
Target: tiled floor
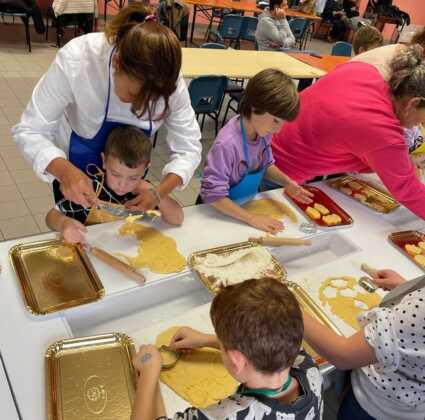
x,y
24,199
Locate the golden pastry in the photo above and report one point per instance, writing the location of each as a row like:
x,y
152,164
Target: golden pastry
x,y
332,219
313,213
422,245
321,208
360,197
412,249
420,259
346,190
355,185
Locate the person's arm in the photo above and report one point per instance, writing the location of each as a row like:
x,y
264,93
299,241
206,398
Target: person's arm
x,y
288,38
72,230
187,338
271,32
343,352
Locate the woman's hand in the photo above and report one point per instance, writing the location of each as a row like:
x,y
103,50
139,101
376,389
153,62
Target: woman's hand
x,y
280,13
145,200
299,193
266,223
187,338
73,231
147,360
388,279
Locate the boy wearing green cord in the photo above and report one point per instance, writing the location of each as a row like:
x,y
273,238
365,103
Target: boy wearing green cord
x,y
259,329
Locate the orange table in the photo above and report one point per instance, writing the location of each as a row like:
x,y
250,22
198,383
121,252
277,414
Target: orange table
x,y
205,6
325,63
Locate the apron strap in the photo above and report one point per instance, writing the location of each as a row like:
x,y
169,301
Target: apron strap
x,y
245,145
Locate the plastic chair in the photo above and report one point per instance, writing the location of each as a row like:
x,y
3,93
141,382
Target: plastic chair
x,y
299,27
233,104
249,26
230,29
206,95
214,46
14,13
342,48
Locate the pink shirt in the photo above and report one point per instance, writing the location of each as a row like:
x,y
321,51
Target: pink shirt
x,y
347,124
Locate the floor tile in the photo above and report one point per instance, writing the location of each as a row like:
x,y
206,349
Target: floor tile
x,y
9,193
13,209
41,222
17,162
18,227
34,189
24,175
6,179
40,204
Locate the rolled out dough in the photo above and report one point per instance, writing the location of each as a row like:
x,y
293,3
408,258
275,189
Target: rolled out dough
x,y
199,377
269,207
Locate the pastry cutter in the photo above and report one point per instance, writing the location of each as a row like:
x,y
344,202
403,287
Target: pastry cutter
x,y
121,211
175,354
273,241
367,283
308,228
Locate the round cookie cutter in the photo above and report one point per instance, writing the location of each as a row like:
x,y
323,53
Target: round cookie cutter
x,y
308,228
175,354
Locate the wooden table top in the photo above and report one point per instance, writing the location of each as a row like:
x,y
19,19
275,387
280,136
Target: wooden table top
x,y
243,63
326,63
246,6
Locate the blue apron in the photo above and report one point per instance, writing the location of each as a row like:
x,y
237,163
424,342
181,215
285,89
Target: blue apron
x,y
82,151
246,189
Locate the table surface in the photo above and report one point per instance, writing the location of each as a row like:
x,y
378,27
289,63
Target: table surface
x,y
24,337
246,6
243,63
325,63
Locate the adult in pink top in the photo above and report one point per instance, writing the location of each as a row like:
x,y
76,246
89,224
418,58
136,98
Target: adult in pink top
x,y
352,121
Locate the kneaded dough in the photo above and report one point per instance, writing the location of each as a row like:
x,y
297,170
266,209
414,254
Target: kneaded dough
x,y
155,251
347,308
272,208
199,377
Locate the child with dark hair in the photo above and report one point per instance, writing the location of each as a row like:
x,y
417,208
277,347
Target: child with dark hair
x,y
259,329
367,38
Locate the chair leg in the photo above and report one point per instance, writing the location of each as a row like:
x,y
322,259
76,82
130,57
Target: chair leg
x,y
155,139
27,33
215,118
226,112
202,122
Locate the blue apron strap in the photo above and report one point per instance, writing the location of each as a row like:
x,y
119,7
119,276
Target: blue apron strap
x,y
245,145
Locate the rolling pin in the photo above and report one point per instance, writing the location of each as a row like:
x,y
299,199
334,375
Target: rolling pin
x,y
368,270
272,241
115,263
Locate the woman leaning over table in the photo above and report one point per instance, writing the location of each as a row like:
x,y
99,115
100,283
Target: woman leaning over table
x,y
352,120
130,74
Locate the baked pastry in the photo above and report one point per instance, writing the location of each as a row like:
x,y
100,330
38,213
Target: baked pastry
x,y
355,185
332,219
378,207
412,249
422,245
360,197
313,213
420,259
346,190
321,208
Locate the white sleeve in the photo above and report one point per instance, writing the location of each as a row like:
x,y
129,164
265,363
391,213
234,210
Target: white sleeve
x,y
35,134
183,135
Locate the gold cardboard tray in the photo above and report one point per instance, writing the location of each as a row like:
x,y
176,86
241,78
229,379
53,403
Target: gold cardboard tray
x,y
278,271
308,304
90,378
374,196
54,276
408,237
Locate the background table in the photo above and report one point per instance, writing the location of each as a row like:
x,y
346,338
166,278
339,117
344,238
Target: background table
x,y
325,62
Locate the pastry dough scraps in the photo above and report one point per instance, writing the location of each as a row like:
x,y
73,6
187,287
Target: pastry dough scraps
x,y
347,306
199,377
155,251
269,207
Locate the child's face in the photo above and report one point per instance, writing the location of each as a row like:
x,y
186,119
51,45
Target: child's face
x,y
265,124
120,178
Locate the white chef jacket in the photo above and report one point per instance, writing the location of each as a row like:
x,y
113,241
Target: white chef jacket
x,y
72,94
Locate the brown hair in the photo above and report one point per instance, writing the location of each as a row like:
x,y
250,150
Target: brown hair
x,y
367,38
408,73
419,38
147,52
262,320
129,145
273,92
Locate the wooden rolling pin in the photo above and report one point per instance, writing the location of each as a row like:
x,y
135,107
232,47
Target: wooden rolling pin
x,y
115,263
368,270
272,241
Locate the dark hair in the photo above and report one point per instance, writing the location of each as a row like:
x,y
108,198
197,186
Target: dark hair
x,y
273,92
367,38
262,320
419,38
275,3
129,145
408,73
147,52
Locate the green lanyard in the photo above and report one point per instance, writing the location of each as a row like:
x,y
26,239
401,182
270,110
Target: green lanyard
x,y
243,390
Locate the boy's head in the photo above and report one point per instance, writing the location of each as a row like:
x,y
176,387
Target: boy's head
x,y
260,323
367,38
125,158
269,99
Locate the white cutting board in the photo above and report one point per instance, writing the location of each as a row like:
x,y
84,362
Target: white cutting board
x,y
197,318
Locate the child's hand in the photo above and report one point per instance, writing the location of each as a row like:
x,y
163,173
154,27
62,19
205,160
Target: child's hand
x,y
299,193
147,360
73,231
387,279
187,338
266,223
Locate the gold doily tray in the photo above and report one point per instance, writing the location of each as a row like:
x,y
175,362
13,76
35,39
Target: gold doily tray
x,y
277,272
412,237
376,199
90,378
54,276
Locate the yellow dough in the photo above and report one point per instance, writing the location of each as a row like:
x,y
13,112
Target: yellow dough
x,y
346,190
421,245
269,207
313,213
347,307
321,208
332,219
412,249
355,185
62,252
360,197
199,376
420,259
156,251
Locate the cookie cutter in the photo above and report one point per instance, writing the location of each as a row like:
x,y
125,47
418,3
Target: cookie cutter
x,y
308,228
174,353
367,284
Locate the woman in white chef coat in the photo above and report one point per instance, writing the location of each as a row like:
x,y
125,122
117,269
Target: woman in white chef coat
x,y
130,74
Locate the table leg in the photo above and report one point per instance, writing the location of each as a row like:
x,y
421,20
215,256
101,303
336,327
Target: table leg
x,y
193,23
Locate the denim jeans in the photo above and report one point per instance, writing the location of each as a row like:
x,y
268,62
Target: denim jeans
x,y
350,409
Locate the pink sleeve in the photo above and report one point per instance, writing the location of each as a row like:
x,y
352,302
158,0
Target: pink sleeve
x,y
393,165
